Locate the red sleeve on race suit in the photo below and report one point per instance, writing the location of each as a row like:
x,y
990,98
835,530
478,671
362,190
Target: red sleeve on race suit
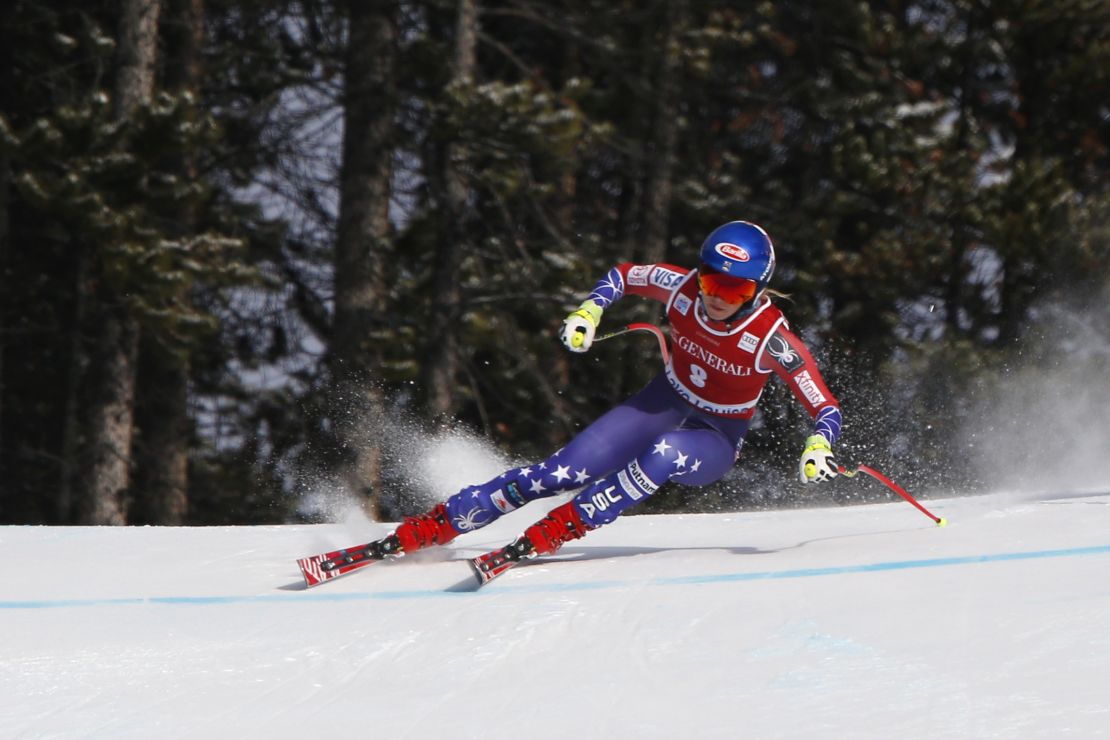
x,y
792,361
656,281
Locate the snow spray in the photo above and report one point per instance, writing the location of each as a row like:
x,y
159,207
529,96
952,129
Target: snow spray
x,y
1044,426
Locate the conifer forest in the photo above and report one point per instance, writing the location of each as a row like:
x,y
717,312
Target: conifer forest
x,y
251,248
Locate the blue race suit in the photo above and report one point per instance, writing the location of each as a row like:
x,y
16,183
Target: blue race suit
x,y
687,424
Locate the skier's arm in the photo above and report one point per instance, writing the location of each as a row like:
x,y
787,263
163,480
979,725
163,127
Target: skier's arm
x,y
651,281
792,361
657,282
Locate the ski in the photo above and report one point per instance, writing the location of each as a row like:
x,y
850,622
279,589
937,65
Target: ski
x,y
496,562
328,566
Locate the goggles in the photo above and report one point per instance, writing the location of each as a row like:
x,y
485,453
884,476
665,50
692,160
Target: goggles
x,y
728,288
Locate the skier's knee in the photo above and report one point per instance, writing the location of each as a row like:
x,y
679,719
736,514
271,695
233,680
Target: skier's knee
x,y
609,497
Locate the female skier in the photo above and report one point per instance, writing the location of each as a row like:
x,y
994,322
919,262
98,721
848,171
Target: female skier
x,y
687,424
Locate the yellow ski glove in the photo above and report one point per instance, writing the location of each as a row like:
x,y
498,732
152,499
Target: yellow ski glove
x,y
817,463
579,327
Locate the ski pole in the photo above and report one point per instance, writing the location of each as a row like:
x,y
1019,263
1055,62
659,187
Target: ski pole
x,y
641,326
941,521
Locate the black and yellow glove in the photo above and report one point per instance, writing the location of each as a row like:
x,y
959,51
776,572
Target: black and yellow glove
x,y
579,327
817,463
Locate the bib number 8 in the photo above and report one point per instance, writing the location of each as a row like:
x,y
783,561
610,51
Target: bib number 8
x,y
698,375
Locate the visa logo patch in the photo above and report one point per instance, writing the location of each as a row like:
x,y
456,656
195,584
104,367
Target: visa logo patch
x,y
665,278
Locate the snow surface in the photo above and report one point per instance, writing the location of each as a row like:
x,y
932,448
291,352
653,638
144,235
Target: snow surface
x,y
853,622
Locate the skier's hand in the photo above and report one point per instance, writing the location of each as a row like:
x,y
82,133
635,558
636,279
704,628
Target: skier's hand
x,y
817,463
579,327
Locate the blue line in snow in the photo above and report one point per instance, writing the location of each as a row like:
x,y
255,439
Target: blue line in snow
x,y
896,565
326,596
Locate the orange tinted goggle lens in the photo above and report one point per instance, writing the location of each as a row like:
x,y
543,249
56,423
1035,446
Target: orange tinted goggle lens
x,y
726,287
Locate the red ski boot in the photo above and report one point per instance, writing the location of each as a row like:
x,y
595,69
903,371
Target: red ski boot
x,y
418,532
412,534
561,525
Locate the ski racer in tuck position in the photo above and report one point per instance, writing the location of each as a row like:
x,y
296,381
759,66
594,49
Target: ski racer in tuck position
x,y
688,424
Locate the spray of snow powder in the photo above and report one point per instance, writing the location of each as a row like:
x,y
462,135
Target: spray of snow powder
x,y
421,467
1044,426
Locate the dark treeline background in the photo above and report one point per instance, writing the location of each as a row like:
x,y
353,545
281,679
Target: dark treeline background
x,y
241,240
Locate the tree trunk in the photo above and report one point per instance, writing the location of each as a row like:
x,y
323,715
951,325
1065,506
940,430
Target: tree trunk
x,y
106,408
72,428
664,139
162,394
652,232
162,437
441,359
5,179
138,49
362,248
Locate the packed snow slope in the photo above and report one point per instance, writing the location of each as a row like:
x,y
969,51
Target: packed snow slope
x,y
854,622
